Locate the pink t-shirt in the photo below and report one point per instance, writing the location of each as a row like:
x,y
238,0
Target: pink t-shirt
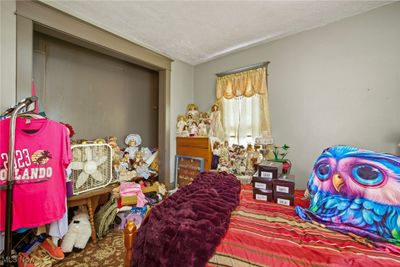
x,y
42,152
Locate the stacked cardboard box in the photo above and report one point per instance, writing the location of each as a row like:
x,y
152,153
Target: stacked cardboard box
x,y
283,189
269,184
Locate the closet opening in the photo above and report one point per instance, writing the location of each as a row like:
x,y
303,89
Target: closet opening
x,y
100,83
99,95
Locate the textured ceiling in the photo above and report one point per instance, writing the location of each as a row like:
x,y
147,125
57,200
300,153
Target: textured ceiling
x,y
198,31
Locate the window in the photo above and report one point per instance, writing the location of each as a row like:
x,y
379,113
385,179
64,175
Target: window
x,y
243,99
242,119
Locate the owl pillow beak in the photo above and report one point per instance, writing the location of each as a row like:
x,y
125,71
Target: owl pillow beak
x,y
337,182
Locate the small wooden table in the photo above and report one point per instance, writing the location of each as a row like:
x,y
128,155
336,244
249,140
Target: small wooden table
x,y
91,200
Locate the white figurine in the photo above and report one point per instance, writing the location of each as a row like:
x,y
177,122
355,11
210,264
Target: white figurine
x,y
133,142
180,125
202,128
216,129
189,119
222,165
193,110
185,132
142,169
146,153
194,129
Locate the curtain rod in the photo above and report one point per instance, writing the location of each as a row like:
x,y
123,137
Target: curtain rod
x,y
251,67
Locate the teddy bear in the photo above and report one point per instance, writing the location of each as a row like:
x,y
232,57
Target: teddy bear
x,y
79,232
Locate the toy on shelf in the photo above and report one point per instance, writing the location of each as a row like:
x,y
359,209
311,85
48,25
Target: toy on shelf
x,y
194,129
193,111
180,125
185,132
189,119
202,128
216,128
195,123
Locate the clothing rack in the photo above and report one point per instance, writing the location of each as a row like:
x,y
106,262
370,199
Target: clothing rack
x,y
13,113
246,68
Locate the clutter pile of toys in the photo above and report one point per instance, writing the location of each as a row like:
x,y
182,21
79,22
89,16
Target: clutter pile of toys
x,y
195,123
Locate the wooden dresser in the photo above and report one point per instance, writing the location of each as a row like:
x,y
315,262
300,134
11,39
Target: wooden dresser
x,y
195,147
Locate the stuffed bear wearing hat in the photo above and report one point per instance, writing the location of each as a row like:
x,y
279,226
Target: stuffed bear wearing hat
x,y
79,232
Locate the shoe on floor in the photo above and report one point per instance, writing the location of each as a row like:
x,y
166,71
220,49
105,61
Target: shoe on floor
x,y
54,251
24,260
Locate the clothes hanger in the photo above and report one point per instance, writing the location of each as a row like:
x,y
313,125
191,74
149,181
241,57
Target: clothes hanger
x,y
31,115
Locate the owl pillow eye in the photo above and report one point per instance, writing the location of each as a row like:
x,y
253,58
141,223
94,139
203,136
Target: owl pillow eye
x,y
367,175
323,170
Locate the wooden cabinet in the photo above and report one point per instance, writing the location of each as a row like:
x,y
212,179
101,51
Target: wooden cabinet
x,y
195,147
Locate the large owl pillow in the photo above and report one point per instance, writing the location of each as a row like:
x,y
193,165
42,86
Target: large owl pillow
x,y
357,191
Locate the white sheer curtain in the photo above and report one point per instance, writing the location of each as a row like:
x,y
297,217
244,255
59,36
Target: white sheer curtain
x,y
242,119
243,101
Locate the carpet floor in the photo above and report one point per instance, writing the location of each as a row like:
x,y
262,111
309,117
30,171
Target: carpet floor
x,y
109,251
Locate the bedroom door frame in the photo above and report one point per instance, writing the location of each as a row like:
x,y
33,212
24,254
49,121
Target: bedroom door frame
x,y
36,16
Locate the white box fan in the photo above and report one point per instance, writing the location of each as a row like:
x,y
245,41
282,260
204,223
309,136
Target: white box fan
x,y
91,167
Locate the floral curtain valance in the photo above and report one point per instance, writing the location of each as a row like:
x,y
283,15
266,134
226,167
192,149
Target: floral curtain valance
x,y
246,83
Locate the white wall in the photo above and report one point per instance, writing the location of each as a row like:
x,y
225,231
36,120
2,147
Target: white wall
x,y
338,84
7,54
181,96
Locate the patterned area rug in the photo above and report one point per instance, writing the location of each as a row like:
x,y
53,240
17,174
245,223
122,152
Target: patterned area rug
x,y
109,251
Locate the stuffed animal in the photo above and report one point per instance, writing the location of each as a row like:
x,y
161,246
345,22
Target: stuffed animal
x,y
79,232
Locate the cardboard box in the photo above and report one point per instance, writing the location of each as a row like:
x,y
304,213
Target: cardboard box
x,y
128,200
270,169
262,194
284,199
284,185
262,183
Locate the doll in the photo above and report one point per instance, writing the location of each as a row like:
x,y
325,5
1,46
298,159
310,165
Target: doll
x,y
124,163
257,154
116,151
242,168
146,153
202,128
180,125
140,166
215,157
185,132
189,119
133,142
205,117
193,110
232,166
194,129
216,129
249,157
222,165
224,151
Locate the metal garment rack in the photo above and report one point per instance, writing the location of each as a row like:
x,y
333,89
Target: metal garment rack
x,y
12,113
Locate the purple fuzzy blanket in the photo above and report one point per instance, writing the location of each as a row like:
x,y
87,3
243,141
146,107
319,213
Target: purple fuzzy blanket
x,y
185,229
